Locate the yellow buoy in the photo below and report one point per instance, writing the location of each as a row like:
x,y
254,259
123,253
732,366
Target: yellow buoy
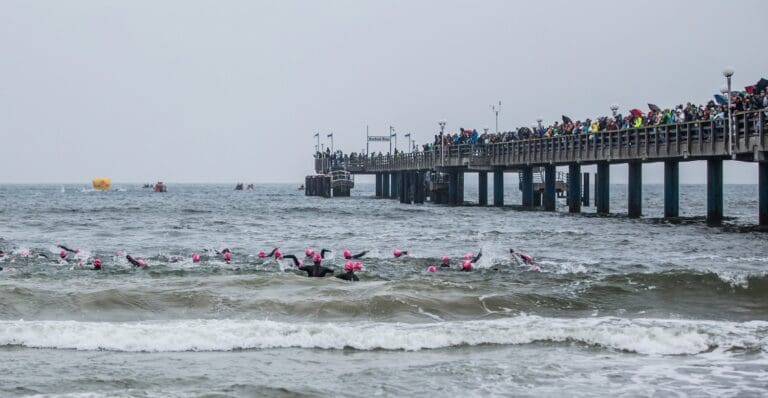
x,y
102,183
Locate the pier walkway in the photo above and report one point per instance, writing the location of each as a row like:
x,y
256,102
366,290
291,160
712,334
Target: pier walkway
x,y
438,175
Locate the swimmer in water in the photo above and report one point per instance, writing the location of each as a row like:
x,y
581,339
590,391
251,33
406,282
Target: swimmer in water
x,y
466,264
96,264
263,254
227,257
348,255
526,260
316,270
432,269
68,249
445,262
399,253
136,262
349,275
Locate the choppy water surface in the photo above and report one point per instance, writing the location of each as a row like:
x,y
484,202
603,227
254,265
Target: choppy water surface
x,y
632,307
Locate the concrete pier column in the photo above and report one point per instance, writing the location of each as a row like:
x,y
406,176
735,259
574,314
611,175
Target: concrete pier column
x,y
420,192
395,185
452,183
574,188
482,185
635,190
402,188
385,185
550,176
762,171
603,188
585,190
379,184
527,181
498,187
671,188
714,191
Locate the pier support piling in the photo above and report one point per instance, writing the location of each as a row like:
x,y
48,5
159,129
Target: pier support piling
x,y
574,188
585,190
379,184
762,171
714,191
498,187
635,190
603,188
394,190
527,181
385,185
482,185
671,188
550,175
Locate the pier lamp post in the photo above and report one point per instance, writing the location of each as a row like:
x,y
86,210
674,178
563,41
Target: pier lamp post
x,y
442,142
728,73
409,141
614,110
392,134
496,109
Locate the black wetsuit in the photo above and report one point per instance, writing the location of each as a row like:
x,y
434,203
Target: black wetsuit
x,y
358,255
133,261
349,276
322,252
272,253
66,249
316,270
474,260
292,257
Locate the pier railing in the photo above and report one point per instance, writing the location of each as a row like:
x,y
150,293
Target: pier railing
x,y
696,139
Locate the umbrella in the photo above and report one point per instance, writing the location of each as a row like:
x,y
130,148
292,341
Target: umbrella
x,y
636,112
721,100
654,108
761,85
567,120
750,89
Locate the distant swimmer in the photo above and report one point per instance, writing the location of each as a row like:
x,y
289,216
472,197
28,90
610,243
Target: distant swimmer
x,y
96,264
348,255
316,270
445,262
349,274
136,262
466,264
431,269
399,253
311,253
525,259
262,254
195,257
227,257
68,249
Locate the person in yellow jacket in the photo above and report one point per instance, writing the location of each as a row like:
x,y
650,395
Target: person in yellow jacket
x,y
638,122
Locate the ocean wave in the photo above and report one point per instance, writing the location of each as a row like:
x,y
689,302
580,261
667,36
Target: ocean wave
x,y
642,336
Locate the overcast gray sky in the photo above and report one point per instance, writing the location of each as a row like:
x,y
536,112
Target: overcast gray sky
x,y
220,91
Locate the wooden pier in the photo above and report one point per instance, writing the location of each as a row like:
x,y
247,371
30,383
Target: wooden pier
x,y
439,174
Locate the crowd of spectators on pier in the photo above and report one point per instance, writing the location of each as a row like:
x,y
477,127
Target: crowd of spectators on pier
x,y
753,98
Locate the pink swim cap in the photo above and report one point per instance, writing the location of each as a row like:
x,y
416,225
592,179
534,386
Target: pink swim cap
x,y
262,254
141,262
62,254
397,252
347,254
227,256
195,257
309,252
466,264
349,266
97,262
357,266
432,268
77,250
317,258
527,258
445,259
468,256
278,254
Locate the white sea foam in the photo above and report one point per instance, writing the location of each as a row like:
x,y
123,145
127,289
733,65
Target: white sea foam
x,y
644,336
